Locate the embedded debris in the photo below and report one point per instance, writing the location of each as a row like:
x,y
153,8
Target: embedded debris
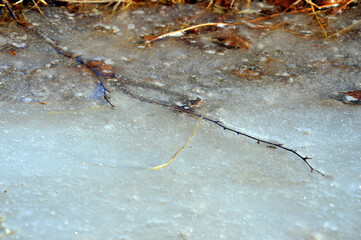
x,y
350,97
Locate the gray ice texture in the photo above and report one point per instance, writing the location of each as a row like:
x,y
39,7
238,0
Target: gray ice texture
x,y
72,167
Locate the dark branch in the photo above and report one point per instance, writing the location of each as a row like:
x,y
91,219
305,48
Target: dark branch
x,y
258,140
11,11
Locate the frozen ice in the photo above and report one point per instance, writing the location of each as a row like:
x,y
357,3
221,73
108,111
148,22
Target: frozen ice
x,y
74,168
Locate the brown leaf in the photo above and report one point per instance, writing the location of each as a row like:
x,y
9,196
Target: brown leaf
x,y
100,67
353,97
230,39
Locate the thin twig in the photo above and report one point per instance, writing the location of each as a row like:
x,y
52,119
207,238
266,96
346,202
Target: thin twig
x,y
11,11
224,127
258,140
60,50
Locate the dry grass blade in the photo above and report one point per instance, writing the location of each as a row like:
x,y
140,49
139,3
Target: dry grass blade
x,y
344,6
189,139
346,29
37,7
181,32
319,21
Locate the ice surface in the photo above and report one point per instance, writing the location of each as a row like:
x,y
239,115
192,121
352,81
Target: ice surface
x,y
74,168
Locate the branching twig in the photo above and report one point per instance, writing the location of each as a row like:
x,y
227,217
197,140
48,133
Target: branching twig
x,y
258,140
220,124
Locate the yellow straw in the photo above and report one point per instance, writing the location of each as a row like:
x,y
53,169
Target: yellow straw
x,y
189,139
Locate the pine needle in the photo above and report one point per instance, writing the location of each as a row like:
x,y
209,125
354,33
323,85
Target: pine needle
x,y
37,7
318,19
189,139
346,29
